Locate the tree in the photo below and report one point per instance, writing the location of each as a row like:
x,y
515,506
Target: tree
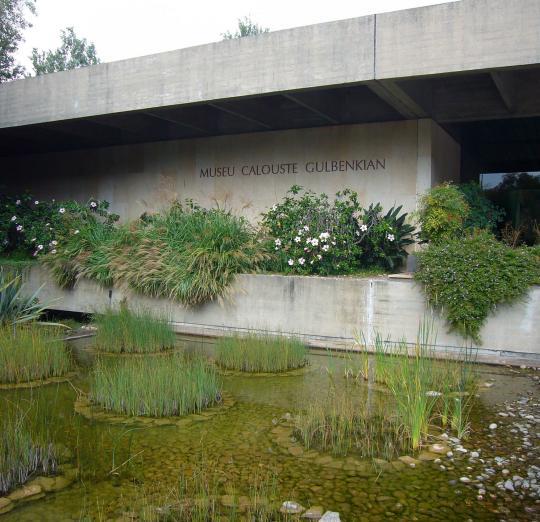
x,y
73,53
12,24
246,27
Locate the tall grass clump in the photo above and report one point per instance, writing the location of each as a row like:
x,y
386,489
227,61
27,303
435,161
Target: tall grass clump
x,y
30,353
187,253
338,425
24,448
426,391
262,353
124,331
155,387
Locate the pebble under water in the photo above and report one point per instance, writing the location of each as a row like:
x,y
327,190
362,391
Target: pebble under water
x,y
492,475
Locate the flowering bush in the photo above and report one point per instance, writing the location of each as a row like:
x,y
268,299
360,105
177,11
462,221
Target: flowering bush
x,y
34,226
311,235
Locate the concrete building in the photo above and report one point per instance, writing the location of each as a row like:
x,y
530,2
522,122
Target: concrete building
x,y
388,105
385,104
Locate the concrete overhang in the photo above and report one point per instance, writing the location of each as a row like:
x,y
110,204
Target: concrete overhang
x,y
466,61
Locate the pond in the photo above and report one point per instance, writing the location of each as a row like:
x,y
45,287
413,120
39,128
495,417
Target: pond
x,y
123,465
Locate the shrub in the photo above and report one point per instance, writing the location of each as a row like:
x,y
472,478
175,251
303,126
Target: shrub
x,y
311,235
30,353
442,213
483,213
260,353
35,226
124,331
188,253
24,449
157,386
469,277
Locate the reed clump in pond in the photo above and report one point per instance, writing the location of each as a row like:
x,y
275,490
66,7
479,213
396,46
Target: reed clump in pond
x,y
125,331
427,392
342,426
262,353
156,387
31,352
24,447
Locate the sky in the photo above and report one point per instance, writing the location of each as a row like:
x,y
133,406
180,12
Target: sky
x,y
127,28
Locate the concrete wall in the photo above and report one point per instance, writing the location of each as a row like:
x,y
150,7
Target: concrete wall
x,y
461,36
328,312
147,177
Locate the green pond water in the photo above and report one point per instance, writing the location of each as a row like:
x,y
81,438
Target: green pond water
x,y
240,446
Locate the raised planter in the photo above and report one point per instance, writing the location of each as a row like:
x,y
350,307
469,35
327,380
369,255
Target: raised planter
x,y
326,311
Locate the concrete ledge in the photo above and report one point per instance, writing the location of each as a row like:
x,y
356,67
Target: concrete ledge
x,y
328,312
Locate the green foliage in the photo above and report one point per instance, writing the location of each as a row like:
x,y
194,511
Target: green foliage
x,y
260,353
312,235
246,27
483,213
442,213
13,22
124,331
25,447
469,277
73,53
338,425
188,253
163,386
15,306
31,353
35,227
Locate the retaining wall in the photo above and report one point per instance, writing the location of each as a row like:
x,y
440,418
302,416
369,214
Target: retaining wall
x,y
326,311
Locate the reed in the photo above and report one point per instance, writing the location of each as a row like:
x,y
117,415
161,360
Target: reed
x,y
24,448
124,331
338,425
157,387
261,353
31,352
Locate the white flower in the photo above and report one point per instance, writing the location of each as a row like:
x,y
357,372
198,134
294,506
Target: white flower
x,y
291,262
53,251
274,208
40,247
93,204
54,242
62,210
297,239
14,218
277,242
314,242
334,243
301,261
36,202
311,262
33,239
363,228
18,202
390,237
306,228
76,231
323,236
19,228
326,248
319,257
300,232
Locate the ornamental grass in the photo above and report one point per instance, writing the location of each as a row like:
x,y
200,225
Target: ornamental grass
x,y
31,352
261,353
339,425
188,254
156,387
24,446
124,331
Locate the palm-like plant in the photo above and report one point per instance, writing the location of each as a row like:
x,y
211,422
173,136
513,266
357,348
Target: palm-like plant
x,y
15,306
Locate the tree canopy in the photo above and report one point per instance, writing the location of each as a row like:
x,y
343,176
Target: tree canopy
x,y
13,21
246,27
74,52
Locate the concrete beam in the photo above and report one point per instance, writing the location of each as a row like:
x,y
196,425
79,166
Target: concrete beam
x,y
310,107
506,88
398,99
